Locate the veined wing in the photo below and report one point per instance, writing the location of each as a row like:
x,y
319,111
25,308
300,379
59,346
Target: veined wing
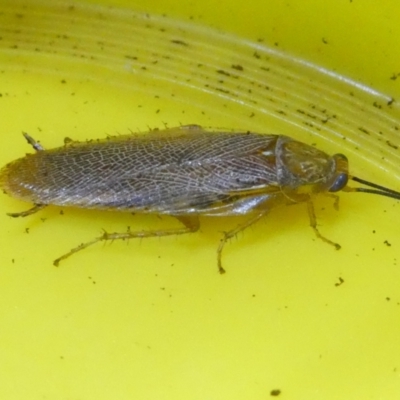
x,y
175,171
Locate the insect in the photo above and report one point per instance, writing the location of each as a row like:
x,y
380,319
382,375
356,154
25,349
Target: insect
x,y
183,172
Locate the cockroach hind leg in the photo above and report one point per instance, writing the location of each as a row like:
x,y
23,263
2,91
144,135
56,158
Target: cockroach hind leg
x,y
313,224
36,145
33,210
191,224
230,234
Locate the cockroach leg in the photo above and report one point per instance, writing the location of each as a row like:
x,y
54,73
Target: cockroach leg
x,y
336,199
36,145
313,224
230,234
191,224
31,211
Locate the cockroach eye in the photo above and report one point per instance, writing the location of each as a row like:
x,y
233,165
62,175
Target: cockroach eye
x,y
340,182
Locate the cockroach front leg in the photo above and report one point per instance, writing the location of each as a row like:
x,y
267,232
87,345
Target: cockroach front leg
x,y
336,199
230,234
313,224
33,210
191,224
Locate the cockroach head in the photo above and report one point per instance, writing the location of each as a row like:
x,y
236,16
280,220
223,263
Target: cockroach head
x,y
304,165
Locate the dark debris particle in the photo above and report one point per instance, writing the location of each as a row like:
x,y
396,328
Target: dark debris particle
x,y
275,392
387,243
394,76
179,42
363,130
222,72
377,105
238,67
341,281
392,145
222,90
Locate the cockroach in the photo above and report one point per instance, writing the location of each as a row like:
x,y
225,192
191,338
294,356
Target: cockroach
x,y
184,172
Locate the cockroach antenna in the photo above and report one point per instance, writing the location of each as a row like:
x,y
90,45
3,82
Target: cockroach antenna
x,y
378,189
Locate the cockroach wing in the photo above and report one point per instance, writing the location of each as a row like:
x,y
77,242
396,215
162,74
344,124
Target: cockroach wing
x,y
180,171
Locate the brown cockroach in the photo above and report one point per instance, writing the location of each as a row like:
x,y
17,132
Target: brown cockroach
x,y
183,172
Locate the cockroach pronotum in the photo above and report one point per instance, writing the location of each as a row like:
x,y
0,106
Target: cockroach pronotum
x,y
185,172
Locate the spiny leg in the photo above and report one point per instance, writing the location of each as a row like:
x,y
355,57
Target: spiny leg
x,y
313,224
33,210
230,234
36,145
191,224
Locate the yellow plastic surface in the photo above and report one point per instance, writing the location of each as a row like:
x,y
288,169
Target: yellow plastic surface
x,y
292,318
